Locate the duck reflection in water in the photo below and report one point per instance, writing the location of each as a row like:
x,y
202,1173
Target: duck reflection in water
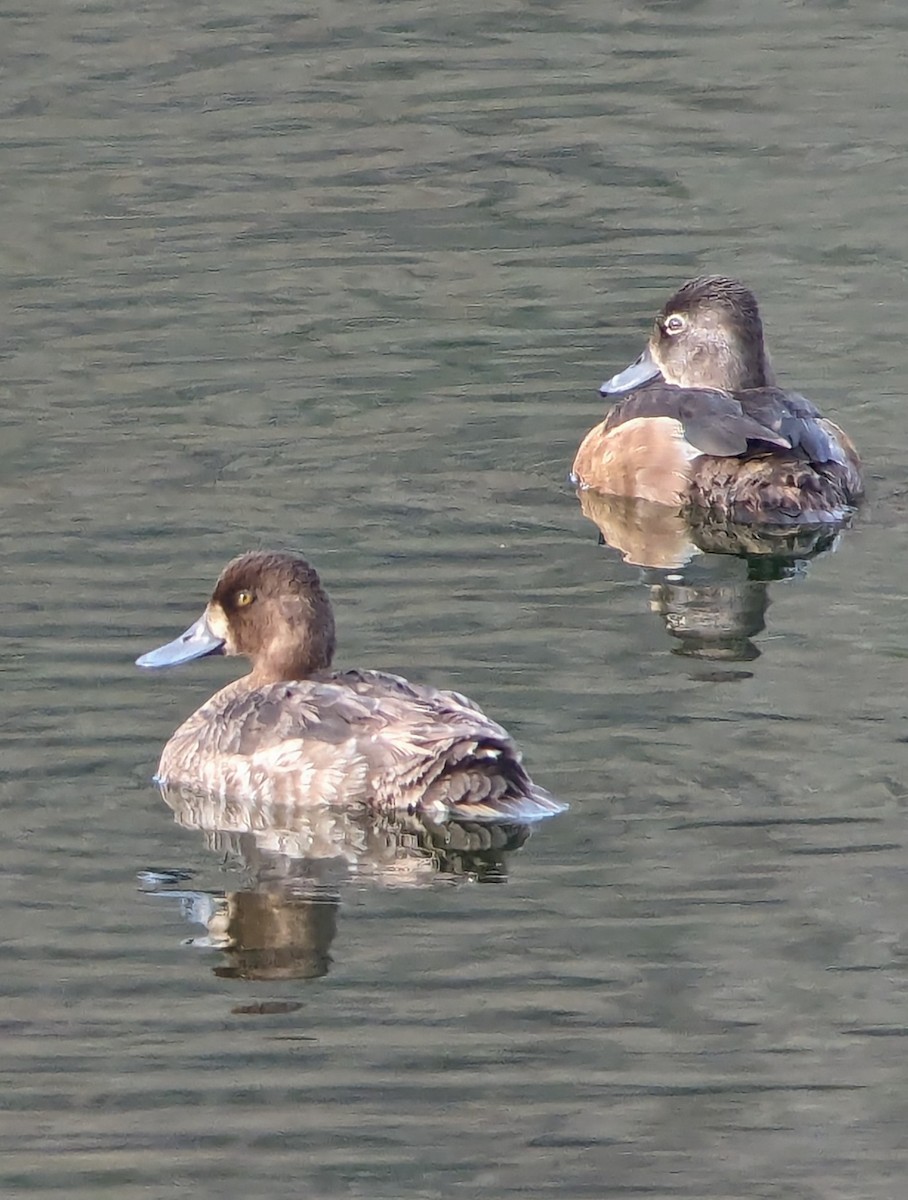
x,y
709,582
281,925
295,731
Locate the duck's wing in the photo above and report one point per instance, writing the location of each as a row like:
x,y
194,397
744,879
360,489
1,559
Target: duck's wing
x,y
363,736
723,424
801,423
441,747
331,710
712,422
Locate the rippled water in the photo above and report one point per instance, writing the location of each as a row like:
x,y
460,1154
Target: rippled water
x,y
346,280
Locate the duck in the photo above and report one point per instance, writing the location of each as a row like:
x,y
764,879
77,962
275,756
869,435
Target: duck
x,y
699,423
296,731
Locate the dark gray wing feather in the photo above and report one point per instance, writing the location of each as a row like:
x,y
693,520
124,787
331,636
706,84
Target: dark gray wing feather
x,y
797,420
726,425
714,422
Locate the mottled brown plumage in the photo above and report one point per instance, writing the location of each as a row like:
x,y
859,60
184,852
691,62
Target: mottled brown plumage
x,y
293,730
703,426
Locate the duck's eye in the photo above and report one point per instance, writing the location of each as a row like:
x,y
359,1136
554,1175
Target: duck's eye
x,y
674,324
244,598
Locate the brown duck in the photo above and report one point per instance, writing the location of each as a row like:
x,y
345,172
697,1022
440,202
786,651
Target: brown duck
x,y
703,427
295,731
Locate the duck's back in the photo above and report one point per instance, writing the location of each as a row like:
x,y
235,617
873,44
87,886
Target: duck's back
x,y
354,737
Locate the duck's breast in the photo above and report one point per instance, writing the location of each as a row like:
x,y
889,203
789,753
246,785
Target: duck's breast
x,y
646,457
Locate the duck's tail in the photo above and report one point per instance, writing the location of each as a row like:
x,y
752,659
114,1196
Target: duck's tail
x,y
536,804
486,781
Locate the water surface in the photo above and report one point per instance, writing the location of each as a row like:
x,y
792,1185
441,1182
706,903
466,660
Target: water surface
x,y
346,281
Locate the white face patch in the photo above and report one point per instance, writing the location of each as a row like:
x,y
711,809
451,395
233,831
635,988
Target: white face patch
x,y
217,622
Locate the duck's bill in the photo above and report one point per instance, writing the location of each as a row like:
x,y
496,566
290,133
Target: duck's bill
x,y
198,640
634,376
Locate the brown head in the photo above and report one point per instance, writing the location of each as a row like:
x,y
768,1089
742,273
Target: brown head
x,y
709,335
268,607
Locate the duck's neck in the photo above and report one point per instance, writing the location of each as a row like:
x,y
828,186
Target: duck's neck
x,y
748,364
727,366
757,373
300,648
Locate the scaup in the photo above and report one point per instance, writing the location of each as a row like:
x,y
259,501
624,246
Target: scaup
x,y
295,730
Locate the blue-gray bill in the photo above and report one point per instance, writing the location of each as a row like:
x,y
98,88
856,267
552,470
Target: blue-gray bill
x,y
634,376
198,640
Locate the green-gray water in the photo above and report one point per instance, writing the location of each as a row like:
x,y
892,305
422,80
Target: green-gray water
x,y
346,279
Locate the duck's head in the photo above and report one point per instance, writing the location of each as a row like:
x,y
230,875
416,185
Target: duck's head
x,y
269,607
709,335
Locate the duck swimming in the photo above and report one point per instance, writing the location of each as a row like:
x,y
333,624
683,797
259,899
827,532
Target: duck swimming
x,y
702,425
295,731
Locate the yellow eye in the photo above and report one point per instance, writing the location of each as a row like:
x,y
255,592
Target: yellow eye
x,y
244,598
